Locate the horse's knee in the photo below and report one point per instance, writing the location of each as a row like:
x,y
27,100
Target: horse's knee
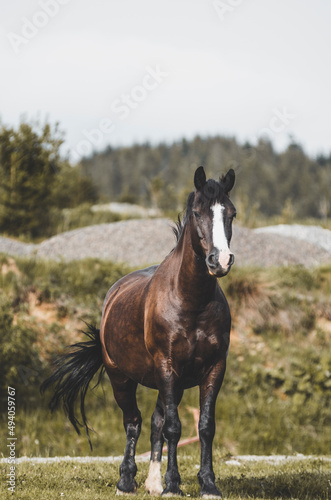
x,y
132,425
172,425
206,428
133,431
157,422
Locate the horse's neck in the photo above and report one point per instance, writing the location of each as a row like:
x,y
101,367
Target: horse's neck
x,y
193,281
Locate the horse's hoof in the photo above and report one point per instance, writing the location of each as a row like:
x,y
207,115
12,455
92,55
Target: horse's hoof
x,y
129,489
154,491
167,493
214,493
173,494
120,492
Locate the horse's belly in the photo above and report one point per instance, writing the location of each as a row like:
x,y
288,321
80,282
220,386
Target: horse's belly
x,y
126,352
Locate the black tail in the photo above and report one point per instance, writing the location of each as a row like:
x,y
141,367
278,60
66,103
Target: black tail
x,y
75,370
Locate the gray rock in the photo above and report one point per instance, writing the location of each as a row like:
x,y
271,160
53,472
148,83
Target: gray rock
x,y
142,242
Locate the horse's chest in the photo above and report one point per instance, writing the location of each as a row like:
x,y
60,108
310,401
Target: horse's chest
x,y
206,343
202,350
210,333
190,338
196,346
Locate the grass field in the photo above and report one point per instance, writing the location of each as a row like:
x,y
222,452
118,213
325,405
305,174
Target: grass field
x,y
303,480
275,398
277,390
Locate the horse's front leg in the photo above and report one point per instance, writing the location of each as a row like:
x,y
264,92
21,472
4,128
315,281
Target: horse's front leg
x,y
209,390
153,482
171,394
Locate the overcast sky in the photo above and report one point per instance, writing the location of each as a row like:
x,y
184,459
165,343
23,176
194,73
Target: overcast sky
x,y
123,71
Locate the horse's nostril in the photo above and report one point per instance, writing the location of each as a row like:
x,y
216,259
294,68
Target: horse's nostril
x,y
212,259
231,259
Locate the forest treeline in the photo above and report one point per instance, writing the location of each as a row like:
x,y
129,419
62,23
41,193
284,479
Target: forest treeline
x,y
42,193
162,175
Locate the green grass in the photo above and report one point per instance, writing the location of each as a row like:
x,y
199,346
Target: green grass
x,y
249,419
310,479
277,390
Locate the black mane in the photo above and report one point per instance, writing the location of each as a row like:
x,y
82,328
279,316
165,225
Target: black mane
x,y
178,228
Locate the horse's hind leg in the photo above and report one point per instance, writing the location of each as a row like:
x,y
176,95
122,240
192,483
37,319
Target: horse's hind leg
x,y
125,395
153,482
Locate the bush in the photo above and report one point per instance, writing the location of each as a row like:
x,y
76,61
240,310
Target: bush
x,y
20,363
82,216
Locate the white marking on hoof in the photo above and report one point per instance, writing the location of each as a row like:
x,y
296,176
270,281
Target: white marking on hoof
x,y
153,483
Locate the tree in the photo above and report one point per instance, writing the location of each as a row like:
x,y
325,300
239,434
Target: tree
x,y
71,187
28,165
35,183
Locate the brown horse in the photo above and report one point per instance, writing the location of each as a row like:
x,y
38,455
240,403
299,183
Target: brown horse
x,y
166,327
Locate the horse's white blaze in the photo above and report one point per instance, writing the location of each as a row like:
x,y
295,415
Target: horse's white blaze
x,y
153,483
219,238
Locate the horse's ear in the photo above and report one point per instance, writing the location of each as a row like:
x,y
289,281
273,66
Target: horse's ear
x,y
228,181
199,178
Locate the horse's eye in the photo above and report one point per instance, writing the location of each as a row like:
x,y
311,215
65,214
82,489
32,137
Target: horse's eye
x,y
196,214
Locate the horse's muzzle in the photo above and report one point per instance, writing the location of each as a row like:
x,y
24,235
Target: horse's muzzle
x,y
214,266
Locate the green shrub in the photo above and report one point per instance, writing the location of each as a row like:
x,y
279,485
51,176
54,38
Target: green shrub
x,y
81,216
20,363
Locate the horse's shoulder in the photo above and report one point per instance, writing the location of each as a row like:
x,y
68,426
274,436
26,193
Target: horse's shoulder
x,y
135,277
147,272
129,282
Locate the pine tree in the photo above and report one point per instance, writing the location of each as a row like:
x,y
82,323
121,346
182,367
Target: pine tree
x,y
36,183
28,165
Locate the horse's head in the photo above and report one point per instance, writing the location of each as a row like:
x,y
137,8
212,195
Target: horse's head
x,y
211,215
